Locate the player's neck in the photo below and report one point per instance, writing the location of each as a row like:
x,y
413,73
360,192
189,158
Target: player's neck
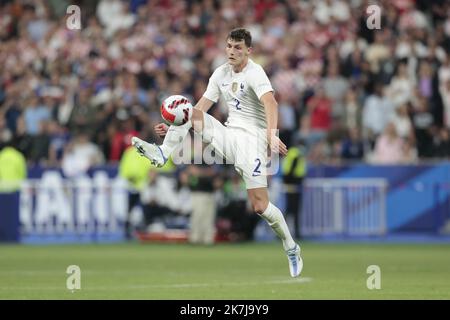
x,y
240,67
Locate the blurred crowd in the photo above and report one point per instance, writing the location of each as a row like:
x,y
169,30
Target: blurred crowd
x,y
75,97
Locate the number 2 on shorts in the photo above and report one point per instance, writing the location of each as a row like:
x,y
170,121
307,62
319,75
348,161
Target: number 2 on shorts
x,y
257,172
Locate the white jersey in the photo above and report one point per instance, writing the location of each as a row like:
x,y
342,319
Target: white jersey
x,y
242,92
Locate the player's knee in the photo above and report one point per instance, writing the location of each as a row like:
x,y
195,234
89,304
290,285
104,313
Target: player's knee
x,y
259,205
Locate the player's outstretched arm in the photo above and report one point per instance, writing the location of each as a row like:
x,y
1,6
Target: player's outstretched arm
x,y
271,108
204,104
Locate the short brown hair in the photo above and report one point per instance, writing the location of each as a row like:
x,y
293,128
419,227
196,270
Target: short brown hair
x,y
240,34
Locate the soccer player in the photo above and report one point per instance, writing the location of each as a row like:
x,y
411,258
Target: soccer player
x,y
250,129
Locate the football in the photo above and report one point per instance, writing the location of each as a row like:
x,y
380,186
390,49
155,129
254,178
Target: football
x,y
176,110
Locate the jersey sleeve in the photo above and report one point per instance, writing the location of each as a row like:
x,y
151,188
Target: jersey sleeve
x,y
212,91
260,82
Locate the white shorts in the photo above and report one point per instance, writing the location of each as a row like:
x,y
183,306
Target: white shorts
x,y
245,148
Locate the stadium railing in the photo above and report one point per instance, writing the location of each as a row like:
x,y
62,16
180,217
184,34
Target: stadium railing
x,y
344,207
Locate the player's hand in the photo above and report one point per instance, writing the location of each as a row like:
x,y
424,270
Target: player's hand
x,y
277,146
161,129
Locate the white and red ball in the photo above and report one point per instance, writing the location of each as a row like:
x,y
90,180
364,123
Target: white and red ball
x,y
176,110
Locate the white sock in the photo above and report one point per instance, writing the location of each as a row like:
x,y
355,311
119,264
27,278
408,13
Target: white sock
x,y
174,136
276,221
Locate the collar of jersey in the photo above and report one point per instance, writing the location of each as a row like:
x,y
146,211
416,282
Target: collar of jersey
x,y
245,68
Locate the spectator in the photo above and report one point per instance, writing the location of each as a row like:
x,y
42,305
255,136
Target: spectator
x,y
327,11
40,145
444,89
425,79
353,66
114,16
353,146
80,155
131,56
335,87
352,110
235,221
441,144
59,138
135,170
422,121
401,86
319,114
202,182
287,122
376,113
23,141
34,114
378,51
13,169
389,147
403,124
84,114
5,132
294,171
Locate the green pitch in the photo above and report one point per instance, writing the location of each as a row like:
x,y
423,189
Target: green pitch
x,y
236,271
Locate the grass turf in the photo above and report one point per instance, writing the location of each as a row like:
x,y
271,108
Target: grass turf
x,y
229,271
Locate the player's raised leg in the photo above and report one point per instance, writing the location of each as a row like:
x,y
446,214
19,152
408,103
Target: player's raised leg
x,y
174,136
158,155
259,199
